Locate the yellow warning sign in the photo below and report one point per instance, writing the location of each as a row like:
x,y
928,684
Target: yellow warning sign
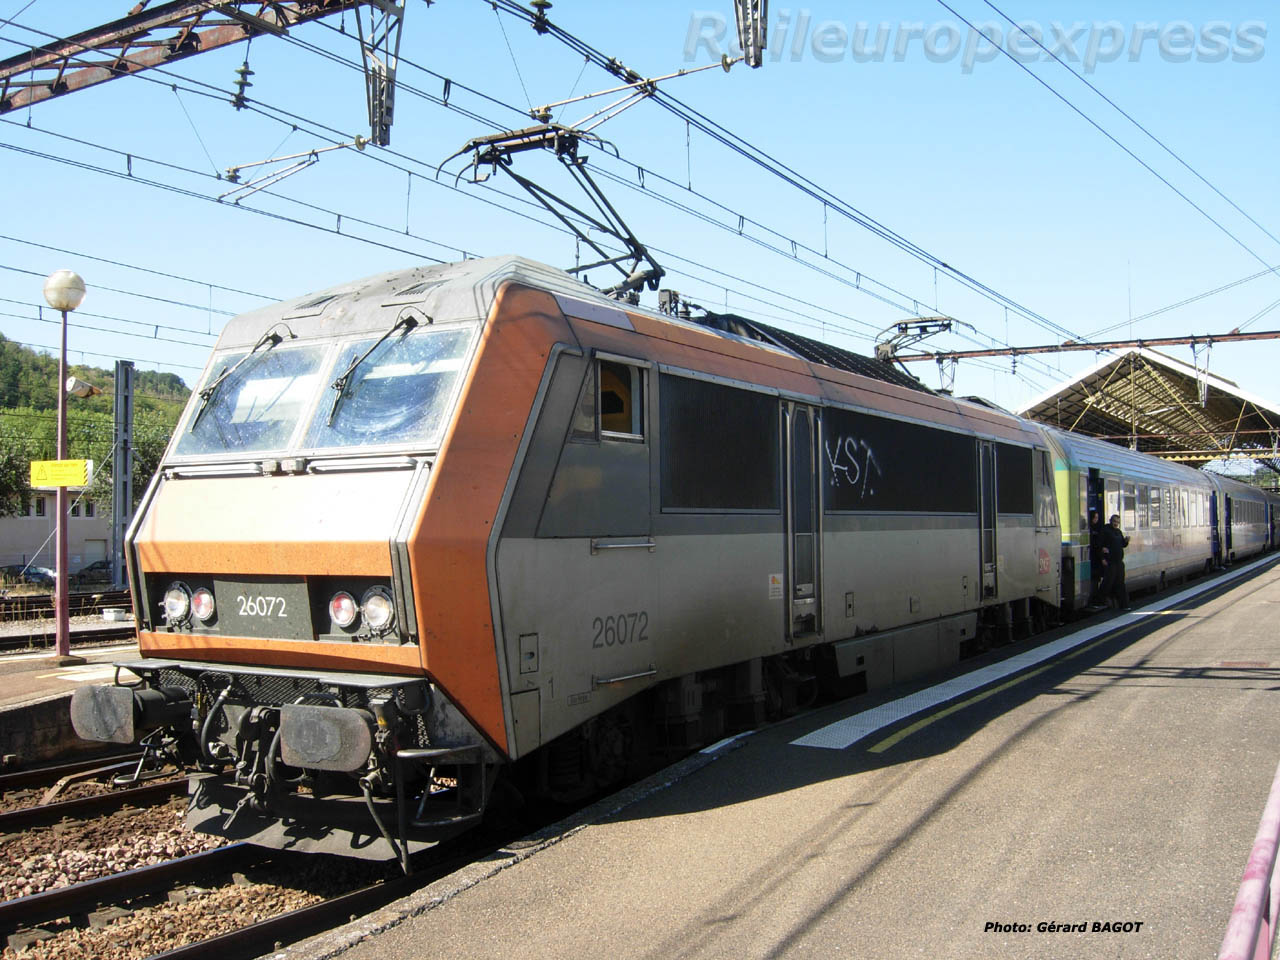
x,y
49,474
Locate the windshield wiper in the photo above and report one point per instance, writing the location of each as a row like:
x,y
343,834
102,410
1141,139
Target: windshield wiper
x,y
407,322
206,395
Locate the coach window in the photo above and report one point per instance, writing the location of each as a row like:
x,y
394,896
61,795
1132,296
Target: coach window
x,y
1144,519
39,506
75,509
1111,498
1155,507
88,508
621,401
1129,517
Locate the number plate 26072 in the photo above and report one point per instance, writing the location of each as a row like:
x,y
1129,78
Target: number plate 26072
x,y
277,609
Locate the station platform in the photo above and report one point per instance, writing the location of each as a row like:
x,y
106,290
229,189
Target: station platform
x,y
1112,787
35,697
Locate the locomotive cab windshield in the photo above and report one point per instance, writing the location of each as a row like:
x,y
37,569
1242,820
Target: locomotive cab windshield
x,y
395,392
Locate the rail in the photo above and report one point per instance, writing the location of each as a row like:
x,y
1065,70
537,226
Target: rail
x,y
46,814
47,776
1252,929
80,898
35,606
43,637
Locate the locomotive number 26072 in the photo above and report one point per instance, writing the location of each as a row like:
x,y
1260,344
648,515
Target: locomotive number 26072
x,y
620,629
261,606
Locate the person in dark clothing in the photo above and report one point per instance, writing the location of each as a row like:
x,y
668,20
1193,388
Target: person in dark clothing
x,y
1113,543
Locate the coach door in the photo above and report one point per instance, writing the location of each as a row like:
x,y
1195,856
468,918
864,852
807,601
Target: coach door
x,y
987,518
1096,503
802,426
1214,534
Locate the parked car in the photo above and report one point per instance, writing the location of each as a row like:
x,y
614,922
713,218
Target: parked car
x,y
97,572
17,573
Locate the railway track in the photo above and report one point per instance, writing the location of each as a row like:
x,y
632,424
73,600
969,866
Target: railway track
x,y
35,606
46,814
49,775
44,637
152,892
54,807
80,899
234,901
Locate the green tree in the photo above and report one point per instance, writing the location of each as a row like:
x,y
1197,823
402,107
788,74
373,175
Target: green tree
x,y
28,423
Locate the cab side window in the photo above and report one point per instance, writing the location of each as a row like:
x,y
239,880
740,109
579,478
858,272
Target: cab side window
x,y
611,404
621,401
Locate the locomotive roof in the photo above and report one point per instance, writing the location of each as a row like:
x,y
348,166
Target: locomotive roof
x,y
466,290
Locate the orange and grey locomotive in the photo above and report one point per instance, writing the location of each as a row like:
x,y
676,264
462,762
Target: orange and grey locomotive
x,y
459,525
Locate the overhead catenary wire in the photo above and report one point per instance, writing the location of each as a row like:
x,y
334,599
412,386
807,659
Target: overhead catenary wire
x,y
40,308
1102,130
53,348
588,57
194,194
203,308
85,326
198,173
1186,302
430,97
133,266
1124,113
181,190
354,66
766,161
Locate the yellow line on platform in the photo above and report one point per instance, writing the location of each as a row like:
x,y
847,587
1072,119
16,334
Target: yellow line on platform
x,y
895,738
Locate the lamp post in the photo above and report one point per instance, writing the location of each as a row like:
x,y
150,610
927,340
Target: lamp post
x,y
64,291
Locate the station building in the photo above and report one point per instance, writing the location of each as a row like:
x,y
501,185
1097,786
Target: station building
x,y
30,538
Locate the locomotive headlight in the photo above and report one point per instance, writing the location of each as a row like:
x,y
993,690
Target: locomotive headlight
x,y
343,609
202,604
177,602
379,612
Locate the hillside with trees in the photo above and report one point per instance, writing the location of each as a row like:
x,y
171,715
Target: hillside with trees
x,y
29,422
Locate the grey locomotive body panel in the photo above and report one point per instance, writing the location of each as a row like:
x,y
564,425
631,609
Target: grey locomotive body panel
x,y
609,578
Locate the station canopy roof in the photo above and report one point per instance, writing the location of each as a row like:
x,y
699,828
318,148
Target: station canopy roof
x,y
1154,403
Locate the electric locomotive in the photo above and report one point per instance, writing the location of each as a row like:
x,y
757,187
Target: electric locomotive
x,y
451,526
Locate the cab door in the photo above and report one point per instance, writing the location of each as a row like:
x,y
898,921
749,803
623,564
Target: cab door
x,y
802,427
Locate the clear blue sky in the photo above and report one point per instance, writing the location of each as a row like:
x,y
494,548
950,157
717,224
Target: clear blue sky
x,y
981,167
